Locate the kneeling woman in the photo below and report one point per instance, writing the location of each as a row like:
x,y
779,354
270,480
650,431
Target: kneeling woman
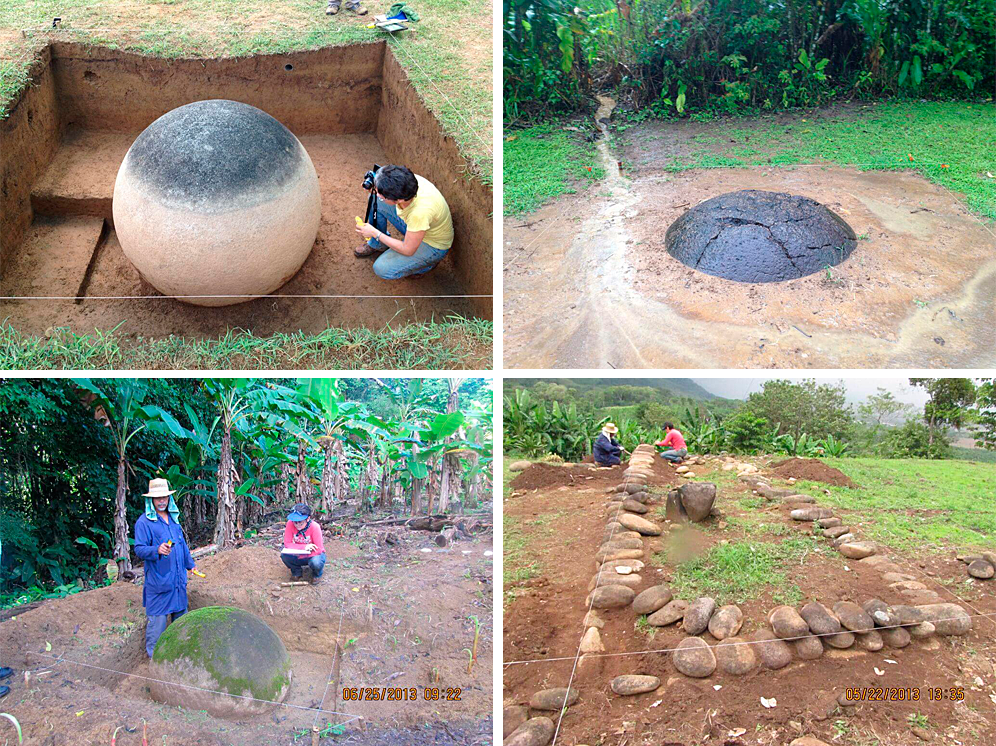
x,y
414,206
303,545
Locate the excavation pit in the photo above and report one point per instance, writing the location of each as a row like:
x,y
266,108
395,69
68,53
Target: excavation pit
x,y
351,107
755,236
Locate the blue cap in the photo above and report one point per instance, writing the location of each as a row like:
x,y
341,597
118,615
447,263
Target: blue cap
x,y
300,512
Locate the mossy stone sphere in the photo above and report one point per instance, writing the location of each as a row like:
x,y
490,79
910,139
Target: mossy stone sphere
x,y
221,649
217,202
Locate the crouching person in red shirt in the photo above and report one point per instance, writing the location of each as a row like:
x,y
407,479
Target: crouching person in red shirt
x,y
303,545
674,443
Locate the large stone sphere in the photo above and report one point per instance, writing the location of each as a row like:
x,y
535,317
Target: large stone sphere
x,y
220,649
755,236
217,198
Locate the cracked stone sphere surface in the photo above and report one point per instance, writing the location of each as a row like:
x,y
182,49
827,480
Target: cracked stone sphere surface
x,y
217,202
755,236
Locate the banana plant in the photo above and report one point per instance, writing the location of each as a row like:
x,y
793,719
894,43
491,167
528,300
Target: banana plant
x,y
118,404
832,447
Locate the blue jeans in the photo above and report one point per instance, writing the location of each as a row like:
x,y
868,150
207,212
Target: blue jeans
x,y
674,456
392,265
155,626
297,564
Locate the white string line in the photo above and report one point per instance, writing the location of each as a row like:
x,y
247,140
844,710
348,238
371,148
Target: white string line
x,y
591,601
254,296
335,654
63,659
433,83
843,630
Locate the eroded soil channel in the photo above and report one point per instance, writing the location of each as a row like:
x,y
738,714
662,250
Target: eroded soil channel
x,y
351,107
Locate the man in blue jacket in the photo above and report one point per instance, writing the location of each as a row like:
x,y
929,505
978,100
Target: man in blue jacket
x,y
607,450
159,541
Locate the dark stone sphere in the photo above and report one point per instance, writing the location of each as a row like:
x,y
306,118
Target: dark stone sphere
x,y
755,236
210,154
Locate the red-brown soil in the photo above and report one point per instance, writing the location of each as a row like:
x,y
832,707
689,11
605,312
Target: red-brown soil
x,y
402,616
562,526
547,475
812,469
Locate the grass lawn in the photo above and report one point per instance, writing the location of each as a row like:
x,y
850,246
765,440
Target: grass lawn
x,y
452,43
740,570
950,143
916,505
619,412
543,162
456,343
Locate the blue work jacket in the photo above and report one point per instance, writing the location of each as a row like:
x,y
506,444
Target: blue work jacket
x,y
605,451
165,587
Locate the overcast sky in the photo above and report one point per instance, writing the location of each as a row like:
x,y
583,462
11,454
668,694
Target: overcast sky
x,y
858,389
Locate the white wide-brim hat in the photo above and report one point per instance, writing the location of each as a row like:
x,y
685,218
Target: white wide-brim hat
x,y
610,428
159,488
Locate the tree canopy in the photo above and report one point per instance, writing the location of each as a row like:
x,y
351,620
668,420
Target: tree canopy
x,y
76,455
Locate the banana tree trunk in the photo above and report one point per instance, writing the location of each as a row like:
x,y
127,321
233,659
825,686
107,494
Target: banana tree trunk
x,y
224,524
122,554
340,480
200,509
283,486
328,476
417,486
449,479
302,484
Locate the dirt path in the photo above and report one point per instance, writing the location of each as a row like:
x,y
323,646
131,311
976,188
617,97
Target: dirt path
x,y
403,617
560,523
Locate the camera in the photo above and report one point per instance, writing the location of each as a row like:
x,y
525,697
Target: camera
x,y
369,176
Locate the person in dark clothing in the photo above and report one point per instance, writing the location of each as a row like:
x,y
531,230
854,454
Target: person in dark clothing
x,y
5,673
160,542
607,450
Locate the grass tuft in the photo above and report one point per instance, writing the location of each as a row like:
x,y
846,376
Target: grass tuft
x,y
456,343
543,162
741,570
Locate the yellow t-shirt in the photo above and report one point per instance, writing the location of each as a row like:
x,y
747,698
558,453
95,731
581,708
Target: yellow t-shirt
x,y
429,212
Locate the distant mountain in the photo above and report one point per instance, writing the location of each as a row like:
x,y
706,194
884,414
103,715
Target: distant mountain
x,y
675,386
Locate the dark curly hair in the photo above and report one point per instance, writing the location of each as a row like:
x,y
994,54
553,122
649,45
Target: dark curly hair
x,y
396,182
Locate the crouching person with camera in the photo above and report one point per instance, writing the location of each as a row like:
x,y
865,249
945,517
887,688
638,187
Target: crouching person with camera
x,y
414,206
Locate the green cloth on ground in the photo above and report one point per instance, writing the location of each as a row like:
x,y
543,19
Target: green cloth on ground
x,y
403,8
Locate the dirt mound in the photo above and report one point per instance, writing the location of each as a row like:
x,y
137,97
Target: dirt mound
x,y
540,475
811,469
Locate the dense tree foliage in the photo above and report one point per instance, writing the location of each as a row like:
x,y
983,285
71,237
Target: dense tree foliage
x,y
76,454
735,55
795,418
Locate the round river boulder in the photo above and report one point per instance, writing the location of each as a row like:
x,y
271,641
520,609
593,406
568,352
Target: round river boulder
x,y
217,198
755,236
223,650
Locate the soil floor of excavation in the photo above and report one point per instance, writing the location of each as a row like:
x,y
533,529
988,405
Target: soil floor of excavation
x,y
916,292
71,250
560,514
401,615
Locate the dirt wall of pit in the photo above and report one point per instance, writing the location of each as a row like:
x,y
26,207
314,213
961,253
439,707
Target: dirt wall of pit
x,y
30,137
408,132
336,90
